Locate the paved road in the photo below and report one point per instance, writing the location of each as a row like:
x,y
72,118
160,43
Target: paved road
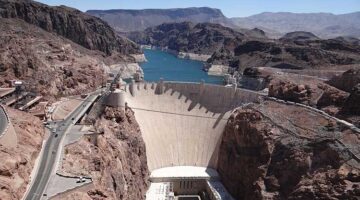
x,y
3,120
49,158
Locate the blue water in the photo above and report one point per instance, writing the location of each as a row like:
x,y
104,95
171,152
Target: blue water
x,y
167,66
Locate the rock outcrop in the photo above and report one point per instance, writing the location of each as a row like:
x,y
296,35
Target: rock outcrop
x,y
114,157
299,36
346,81
290,91
17,163
352,104
81,28
331,96
277,151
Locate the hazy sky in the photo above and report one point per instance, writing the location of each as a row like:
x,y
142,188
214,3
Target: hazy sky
x,y
231,8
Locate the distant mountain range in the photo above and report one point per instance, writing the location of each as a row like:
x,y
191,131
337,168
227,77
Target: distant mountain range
x,y
324,25
138,20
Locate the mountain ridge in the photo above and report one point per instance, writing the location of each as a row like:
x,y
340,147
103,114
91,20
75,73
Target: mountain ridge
x,y
325,25
127,20
275,24
79,27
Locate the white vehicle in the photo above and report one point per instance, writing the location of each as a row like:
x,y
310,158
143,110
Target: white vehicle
x,y
80,180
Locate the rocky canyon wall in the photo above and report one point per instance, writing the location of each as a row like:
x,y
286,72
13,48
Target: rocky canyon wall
x,y
115,158
277,151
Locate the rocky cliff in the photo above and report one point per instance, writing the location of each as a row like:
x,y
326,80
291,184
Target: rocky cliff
x,y
48,64
57,51
278,151
114,157
83,29
17,163
139,20
203,38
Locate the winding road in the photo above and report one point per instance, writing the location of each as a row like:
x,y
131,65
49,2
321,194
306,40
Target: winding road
x,y
52,146
3,121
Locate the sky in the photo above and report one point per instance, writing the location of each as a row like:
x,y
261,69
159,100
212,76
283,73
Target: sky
x,y
231,8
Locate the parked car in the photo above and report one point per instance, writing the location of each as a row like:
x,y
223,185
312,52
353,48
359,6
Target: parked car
x,y
80,180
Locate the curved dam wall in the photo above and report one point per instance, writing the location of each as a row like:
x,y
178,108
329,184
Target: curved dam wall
x,y
182,123
8,137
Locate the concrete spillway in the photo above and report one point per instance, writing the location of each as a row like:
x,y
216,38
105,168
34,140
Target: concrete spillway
x,y
182,123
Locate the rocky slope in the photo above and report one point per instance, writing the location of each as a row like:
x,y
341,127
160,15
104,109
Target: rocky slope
x,y
251,48
48,64
83,29
326,25
347,80
57,51
114,157
339,101
16,164
203,38
278,151
138,20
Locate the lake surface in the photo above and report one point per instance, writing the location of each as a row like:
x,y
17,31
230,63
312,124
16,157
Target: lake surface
x,y
165,65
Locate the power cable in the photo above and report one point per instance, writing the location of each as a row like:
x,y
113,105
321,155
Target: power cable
x,y
158,111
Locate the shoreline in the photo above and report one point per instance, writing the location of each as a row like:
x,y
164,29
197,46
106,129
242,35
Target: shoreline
x,y
179,54
211,69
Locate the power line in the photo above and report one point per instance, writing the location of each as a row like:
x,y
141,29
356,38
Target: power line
x,y
164,112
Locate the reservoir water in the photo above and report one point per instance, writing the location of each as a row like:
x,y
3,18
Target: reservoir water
x,y
167,66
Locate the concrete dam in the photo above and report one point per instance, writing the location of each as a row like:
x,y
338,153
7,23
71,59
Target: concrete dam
x,y
182,126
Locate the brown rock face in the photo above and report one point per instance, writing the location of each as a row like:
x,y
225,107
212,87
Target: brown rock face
x,y
347,80
331,96
115,158
352,104
309,92
48,64
86,30
290,91
276,151
17,164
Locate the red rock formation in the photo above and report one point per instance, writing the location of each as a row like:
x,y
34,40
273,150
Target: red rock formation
x,y
331,96
17,164
115,158
289,91
277,151
346,81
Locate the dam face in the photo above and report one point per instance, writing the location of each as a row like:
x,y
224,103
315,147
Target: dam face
x,y
182,123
